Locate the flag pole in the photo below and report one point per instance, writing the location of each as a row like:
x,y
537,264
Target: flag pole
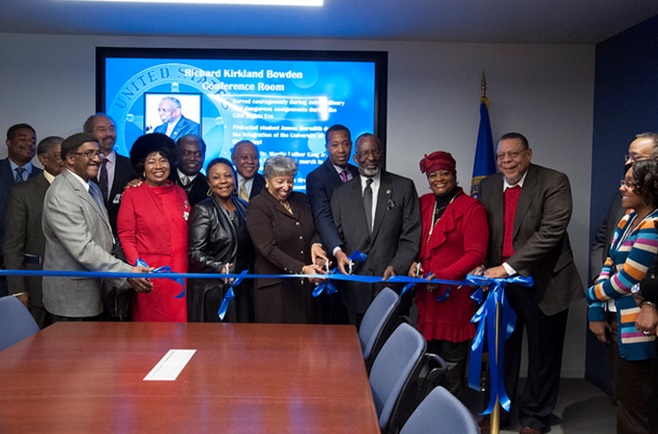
x,y
495,414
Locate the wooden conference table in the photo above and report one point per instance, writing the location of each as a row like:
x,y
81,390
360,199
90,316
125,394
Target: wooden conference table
x,y
243,378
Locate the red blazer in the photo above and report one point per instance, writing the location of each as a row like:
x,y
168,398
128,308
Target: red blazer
x,y
456,246
140,223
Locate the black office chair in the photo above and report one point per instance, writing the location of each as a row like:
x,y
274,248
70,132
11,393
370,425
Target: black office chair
x,y
16,322
441,413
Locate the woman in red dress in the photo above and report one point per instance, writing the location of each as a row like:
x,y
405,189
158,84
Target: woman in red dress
x,y
152,225
454,241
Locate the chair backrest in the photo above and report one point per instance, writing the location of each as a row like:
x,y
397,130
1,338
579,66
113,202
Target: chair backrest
x,y
377,315
16,322
398,360
440,412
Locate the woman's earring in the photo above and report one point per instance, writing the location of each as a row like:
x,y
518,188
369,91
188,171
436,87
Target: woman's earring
x,y
209,193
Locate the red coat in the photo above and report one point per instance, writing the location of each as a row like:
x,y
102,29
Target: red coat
x,y
456,246
152,225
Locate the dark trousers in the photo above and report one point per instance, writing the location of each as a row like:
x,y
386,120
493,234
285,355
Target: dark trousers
x,y
545,344
632,387
653,398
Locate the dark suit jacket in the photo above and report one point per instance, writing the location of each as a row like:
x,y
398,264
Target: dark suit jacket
x,y
257,186
123,174
196,190
603,237
320,186
6,183
282,243
396,234
541,242
25,236
184,127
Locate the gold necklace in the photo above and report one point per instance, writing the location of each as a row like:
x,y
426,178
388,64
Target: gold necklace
x,y
287,206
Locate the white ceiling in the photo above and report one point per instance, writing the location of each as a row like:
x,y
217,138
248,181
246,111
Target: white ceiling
x,y
514,21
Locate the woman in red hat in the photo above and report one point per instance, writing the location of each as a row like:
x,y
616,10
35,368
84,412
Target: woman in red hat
x,y
454,241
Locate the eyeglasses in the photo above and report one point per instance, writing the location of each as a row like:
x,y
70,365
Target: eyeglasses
x,y
629,185
91,154
511,154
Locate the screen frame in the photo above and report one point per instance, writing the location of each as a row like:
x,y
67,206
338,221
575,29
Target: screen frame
x,y
378,58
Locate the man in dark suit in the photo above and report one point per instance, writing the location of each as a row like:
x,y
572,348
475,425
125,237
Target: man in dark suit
x,y
175,125
386,227
16,168
191,152
320,186
79,237
246,160
529,208
115,171
24,243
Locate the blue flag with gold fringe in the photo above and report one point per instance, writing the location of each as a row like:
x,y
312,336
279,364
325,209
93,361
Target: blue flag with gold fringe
x,y
485,161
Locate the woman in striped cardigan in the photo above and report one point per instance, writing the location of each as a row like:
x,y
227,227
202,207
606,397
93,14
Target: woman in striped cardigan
x,y
612,307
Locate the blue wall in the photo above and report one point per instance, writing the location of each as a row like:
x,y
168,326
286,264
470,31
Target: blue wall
x,y
625,103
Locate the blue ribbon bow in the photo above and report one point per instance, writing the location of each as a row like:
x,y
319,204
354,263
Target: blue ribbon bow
x,y
485,317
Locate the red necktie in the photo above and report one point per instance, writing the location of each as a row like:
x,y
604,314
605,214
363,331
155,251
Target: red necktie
x,y
511,199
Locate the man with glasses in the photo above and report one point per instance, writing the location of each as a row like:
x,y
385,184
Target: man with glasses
x,y
79,236
115,171
376,213
529,208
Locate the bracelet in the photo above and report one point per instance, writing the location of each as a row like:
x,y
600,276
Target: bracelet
x,y
650,303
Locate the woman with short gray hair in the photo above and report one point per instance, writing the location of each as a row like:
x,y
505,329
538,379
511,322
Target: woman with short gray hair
x,y
282,229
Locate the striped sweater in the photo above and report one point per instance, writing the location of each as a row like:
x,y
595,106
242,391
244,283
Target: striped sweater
x,y
626,265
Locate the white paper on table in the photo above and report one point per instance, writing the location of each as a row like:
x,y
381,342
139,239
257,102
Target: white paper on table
x,y
170,365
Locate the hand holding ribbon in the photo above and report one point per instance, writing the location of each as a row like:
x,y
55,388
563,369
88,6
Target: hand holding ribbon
x,y
230,295
164,269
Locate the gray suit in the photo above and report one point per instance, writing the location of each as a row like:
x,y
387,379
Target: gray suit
x,y
541,250
78,238
395,237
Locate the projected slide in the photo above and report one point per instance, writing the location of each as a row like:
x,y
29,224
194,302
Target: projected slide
x,y
284,106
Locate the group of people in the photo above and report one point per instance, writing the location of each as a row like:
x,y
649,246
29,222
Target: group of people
x,y
94,210
622,299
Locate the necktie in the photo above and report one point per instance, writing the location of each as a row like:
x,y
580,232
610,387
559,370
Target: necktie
x,y
102,180
344,175
509,211
367,203
244,195
19,175
184,180
96,194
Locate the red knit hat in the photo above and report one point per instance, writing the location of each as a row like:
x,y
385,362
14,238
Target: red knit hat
x,y
438,160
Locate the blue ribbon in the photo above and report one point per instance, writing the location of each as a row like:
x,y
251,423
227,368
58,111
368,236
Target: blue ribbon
x,y
230,295
326,286
485,317
164,269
